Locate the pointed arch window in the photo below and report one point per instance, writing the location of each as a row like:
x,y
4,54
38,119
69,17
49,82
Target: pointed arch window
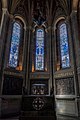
x,y
39,55
64,47
63,57
16,47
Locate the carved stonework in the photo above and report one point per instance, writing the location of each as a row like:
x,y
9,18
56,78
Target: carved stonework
x,y
38,103
39,12
20,11
59,13
39,76
39,87
63,74
65,86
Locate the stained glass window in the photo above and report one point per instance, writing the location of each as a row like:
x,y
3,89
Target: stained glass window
x,y
39,49
64,47
14,49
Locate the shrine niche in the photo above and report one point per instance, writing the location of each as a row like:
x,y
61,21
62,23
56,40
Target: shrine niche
x,y
39,87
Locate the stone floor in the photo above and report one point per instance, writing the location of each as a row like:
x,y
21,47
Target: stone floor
x,y
9,119
13,118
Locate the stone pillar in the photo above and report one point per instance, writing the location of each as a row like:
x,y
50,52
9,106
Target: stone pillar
x,y
24,62
76,48
3,33
4,12
3,27
76,45
0,107
3,36
49,57
27,82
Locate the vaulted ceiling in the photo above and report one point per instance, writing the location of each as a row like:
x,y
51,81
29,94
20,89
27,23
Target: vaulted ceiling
x,y
39,9
64,3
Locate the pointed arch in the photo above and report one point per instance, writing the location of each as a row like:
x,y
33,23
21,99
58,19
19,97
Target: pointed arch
x,y
19,17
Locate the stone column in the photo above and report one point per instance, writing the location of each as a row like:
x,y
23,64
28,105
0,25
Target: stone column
x,y
27,83
3,38
76,44
25,60
4,12
0,107
76,49
3,28
49,57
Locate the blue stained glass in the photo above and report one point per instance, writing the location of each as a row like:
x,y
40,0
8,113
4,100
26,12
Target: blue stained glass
x,y
37,50
65,60
40,49
14,49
